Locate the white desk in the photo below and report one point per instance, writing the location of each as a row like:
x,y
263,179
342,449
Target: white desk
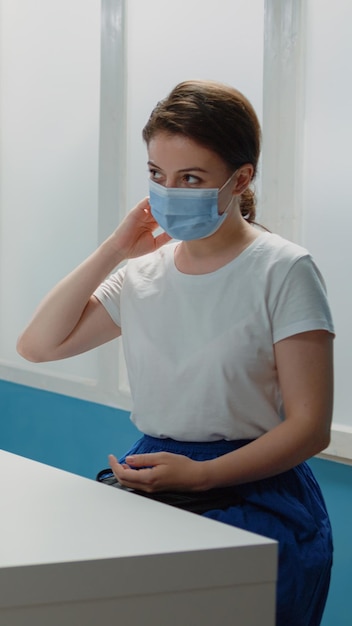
x,y
74,552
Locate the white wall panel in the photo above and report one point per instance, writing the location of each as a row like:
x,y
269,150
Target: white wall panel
x,y
327,215
49,80
169,42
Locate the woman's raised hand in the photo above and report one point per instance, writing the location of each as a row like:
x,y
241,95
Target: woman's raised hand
x,y
135,235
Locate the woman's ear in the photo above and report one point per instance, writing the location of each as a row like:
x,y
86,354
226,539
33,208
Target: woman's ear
x,y
243,179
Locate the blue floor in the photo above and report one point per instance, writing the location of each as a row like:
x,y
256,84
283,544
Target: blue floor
x,y
77,436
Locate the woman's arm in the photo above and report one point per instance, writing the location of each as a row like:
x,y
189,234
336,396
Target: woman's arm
x,y
70,320
305,369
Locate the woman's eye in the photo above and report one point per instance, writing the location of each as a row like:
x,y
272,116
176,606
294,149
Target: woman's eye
x,y
155,174
191,180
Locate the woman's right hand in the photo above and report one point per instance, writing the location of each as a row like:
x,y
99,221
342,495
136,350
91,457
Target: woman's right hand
x,y
135,235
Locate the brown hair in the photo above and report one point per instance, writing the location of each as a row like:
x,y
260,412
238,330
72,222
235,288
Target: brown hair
x,y
216,116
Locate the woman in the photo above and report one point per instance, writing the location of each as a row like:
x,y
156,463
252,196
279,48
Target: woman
x,y
227,336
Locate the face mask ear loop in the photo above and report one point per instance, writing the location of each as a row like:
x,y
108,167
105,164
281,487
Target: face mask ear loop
x,y
225,211
227,181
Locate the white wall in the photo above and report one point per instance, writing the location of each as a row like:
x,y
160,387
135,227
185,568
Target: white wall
x,y
173,41
50,70
327,204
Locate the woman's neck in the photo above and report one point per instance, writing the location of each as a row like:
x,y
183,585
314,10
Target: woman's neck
x,y
202,256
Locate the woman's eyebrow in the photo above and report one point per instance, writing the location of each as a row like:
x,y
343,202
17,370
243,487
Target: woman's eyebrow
x,y
193,169
184,169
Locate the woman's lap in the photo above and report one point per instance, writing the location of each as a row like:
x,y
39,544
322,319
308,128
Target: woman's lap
x,y
288,508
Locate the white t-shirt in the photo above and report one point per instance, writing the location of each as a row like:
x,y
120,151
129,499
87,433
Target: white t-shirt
x,y
199,348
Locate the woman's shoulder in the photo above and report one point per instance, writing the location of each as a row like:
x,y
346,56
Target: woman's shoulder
x,y
278,247
275,257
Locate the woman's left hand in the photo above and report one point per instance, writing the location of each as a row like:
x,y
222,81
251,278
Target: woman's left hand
x,y
160,471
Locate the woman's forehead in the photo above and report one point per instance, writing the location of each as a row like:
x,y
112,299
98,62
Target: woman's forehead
x,y
181,153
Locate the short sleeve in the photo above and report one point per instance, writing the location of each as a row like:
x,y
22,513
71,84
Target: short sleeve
x,y
301,303
109,293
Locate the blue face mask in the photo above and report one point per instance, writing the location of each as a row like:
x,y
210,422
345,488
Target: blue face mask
x,y
184,213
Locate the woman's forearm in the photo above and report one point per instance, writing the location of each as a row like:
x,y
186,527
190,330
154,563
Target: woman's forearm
x,y
60,311
68,321
277,451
